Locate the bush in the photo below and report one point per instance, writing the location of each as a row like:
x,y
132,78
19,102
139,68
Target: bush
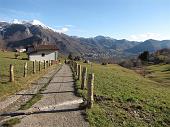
x,y
77,58
126,64
144,56
86,61
104,63
17,55
70,57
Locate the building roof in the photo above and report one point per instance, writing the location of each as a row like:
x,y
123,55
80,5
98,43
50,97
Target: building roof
x,y
45,47
36,48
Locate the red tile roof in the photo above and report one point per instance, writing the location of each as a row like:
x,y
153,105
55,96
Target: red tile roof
x,y
45,47
36,48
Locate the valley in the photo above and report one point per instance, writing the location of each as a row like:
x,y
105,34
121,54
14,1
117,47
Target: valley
x,y
20,34
84,63
122,97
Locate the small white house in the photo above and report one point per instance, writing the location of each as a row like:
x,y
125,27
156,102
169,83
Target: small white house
x,y
21,50
42,52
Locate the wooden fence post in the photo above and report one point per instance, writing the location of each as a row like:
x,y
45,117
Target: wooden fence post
x,y
39,66
11,73
90,90
84,76
79,72
44,64
34,67
25,69
76,69
72,63
69,62
47,63
51,63
74,66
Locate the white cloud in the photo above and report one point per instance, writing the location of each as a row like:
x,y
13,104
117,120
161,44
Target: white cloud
x,y
62,30
69,25
146,36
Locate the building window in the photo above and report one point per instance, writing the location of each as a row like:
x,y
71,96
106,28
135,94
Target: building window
x,y
43,54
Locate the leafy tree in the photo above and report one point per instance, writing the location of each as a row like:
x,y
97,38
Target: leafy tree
x,y
144,56
70,57
127,64
77,58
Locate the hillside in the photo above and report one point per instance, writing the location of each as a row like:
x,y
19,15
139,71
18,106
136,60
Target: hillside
x,y
24,33
125,99
165,52
149,45
159,73
21,35
160,56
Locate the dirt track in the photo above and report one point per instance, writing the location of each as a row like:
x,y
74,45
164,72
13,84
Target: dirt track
x,y
59,107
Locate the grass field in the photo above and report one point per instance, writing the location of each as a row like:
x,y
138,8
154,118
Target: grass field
x,y
6,87
126,99
160,73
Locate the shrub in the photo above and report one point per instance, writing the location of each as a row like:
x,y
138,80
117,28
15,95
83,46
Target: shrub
x,y
86,61
70,57
104,63
17,55
77,58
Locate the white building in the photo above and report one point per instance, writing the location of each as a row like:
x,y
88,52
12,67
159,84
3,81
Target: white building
x,y
21,50
42,52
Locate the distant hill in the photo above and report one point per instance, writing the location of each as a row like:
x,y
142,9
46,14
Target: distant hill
x,y
161,56
23,33
165,52
149,45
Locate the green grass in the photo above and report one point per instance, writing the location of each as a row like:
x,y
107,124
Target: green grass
x,y
160,73
126,99
31,102
8,88
11,122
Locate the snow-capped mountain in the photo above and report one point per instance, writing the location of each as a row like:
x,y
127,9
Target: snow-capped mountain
x,y
16,21
32,22
37,22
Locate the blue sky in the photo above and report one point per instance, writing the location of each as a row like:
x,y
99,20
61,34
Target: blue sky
x,y
129,19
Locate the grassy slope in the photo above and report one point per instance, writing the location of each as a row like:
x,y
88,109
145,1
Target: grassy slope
x,y
125,98
160,73
7,88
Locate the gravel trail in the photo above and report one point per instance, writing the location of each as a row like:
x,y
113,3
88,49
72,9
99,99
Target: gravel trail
x,y
59,107
13,102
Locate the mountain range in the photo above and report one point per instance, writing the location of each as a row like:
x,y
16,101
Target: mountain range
x,y
17,34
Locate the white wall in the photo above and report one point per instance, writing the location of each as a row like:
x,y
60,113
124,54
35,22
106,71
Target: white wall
x,y
49,55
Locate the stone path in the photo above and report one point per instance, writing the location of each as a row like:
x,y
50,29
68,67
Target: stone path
x,y
59,107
